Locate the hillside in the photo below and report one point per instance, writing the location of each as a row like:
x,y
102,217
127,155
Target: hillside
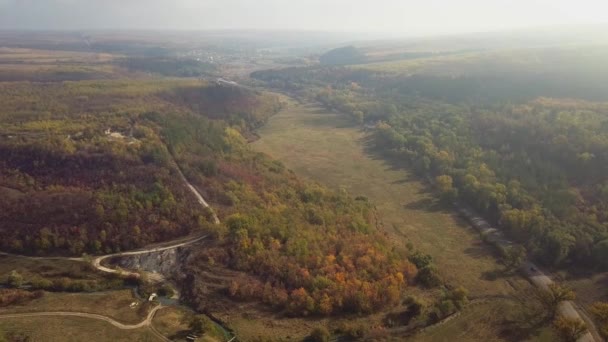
x,y
92,167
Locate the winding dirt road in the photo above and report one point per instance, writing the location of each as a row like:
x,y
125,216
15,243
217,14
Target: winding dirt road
x,y
201,200
97,261
143,324
115,323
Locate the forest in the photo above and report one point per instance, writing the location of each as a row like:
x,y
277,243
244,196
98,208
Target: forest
x,y
91,167
168,66
526,150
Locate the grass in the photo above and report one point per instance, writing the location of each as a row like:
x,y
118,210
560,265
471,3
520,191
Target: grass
x,y
485,322
325,147
589,288
114,304
436,64
51,268
72,329
172,322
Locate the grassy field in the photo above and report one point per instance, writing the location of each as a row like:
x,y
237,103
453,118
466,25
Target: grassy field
x,y
486,322
114,304
325,147
172,322
29,267
72,329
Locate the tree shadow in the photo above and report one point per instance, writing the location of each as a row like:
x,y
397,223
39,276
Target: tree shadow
x,y
479,250
527,325
496,274
429,205
180,335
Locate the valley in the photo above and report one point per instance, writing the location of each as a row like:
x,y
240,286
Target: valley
x,y
326,147
223,186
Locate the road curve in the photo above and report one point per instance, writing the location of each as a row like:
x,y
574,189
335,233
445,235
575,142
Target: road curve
x,y
532,272
97,261
145,323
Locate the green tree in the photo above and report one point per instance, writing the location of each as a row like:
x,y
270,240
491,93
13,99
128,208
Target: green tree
x,y
319,334
428,276
600,253
570,329
446,188
554,295
201,324
600,311
14,279
514,257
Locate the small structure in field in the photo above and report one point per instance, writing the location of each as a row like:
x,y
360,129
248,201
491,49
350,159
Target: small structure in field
x,y
152,297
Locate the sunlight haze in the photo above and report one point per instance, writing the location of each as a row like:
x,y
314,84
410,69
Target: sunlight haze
x,y
405,17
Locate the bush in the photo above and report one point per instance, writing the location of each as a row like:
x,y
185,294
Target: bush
x,y
428,277
16,296
353,331
320,334
166,291
570,329
14,279
201,324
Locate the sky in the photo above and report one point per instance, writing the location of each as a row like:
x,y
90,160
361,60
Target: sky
x,y
407,17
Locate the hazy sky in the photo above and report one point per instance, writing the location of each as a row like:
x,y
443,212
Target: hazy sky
x,y
413,17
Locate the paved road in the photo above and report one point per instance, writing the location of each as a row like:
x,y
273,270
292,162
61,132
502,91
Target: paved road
x,y
533,272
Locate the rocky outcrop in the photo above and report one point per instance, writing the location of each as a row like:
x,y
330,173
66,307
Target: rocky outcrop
x,y
159,265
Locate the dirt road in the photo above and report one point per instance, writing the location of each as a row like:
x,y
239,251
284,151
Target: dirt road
x,y
533,272
197,194
145,323
97,261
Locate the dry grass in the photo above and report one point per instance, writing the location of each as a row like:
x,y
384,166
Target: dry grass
x,y
43,65
114,304
170,321
589,289
51,56
326,148
484,322
72,329
49,268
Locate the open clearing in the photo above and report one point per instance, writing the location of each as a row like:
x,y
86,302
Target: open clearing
x,y
72,329
325,147
114,304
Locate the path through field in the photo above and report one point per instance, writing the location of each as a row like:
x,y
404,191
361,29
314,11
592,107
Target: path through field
x,y
145,323
327,148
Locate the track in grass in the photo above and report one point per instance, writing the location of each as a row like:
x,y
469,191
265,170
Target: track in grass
x,y
327,148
